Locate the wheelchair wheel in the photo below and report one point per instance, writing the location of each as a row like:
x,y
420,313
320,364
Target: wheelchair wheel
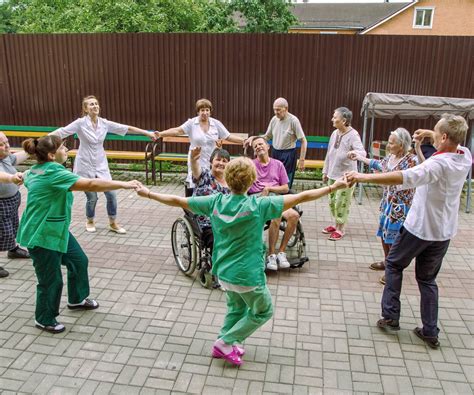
x,y
205,276
184,246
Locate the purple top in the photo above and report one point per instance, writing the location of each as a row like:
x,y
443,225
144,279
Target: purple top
x,y
270,175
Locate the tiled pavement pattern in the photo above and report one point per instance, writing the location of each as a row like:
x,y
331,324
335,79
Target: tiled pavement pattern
x,y
154,329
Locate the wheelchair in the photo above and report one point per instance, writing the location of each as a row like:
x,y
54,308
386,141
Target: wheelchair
x,y
296,248
191,250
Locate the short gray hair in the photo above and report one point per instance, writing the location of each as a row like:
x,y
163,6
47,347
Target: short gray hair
x,y
280,102
403,137
454,126
346,114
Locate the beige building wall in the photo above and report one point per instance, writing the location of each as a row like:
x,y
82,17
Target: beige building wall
x,y
451,18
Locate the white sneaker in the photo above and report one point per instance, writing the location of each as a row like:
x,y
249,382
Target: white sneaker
x,y
272,262
90,227
283,261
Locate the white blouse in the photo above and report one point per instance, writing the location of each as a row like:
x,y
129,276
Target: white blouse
x,y
91,161
205,140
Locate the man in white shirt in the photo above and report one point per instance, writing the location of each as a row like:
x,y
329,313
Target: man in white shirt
x,y
284,130
430,224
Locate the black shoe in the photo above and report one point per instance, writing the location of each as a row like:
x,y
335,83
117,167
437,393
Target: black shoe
x,y
88,304
57,328
3,272
18,253
432,341
388,324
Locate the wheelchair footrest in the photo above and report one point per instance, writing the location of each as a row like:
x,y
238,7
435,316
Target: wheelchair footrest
x,y
298,262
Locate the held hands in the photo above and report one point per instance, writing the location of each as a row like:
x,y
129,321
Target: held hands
x,y
340,183
195,154
134,184
352,178
353,155
156,135
17,178
325,178
142,191
421,134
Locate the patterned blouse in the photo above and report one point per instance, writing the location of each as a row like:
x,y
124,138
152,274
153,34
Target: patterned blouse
x,y
393,196
204,186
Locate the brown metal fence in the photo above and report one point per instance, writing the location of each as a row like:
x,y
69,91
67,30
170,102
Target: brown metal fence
x,y
153,80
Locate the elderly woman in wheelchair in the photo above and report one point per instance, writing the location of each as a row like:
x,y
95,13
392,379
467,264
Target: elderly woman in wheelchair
x,y
192,237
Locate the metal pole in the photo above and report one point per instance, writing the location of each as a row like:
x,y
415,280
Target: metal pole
x,y
469,176
364,132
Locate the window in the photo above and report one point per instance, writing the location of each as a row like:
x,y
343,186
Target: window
x,y
423,18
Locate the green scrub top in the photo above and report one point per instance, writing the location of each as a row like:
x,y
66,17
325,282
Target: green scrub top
x,y
46,219
237,224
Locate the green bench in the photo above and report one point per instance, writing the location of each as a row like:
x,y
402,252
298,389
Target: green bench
x,y
23,132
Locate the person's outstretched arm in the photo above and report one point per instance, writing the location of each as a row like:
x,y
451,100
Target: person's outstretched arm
x,y
169,200
390,178
16,178
290,201
151,135
99,185
172,132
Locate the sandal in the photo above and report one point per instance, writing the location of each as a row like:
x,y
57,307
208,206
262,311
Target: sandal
x,y
328,230
335,236
431,341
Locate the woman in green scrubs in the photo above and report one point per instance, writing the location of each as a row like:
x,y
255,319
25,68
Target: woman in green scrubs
x,y
44,229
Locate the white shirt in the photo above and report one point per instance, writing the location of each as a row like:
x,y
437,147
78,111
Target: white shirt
x,y
91,161
205,140
337,163
438,181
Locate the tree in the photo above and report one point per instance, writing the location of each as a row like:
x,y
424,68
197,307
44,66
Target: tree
x,y
269,16
93,16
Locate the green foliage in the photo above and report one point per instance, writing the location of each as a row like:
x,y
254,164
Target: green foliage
x,y
93,16
269,16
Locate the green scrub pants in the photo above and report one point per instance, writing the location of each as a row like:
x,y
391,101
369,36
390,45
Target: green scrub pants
x,y
47,264
340,203
246,312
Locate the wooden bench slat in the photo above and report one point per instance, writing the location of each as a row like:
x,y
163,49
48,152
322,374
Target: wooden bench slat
x,y
313,164
24,134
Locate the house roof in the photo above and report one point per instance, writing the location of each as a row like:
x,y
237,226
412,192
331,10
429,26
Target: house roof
x,y
354,16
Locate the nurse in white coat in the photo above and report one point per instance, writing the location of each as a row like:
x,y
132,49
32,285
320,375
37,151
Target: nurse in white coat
x,y
203,131
91,161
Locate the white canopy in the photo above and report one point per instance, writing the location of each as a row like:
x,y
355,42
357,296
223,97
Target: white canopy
x,y
386,105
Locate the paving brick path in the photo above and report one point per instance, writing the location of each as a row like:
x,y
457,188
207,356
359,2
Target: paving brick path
x,y
154,329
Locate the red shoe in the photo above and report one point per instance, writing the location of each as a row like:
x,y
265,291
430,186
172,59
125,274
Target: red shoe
x,y
232,357
329,230
335,236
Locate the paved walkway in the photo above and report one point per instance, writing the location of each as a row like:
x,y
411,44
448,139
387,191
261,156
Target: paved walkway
x,y
154,329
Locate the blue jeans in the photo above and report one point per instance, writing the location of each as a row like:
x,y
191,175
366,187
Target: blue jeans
x,y
429,257
111,197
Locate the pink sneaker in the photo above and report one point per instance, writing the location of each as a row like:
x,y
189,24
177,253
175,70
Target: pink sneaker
x,y
329,230
239,349
232,357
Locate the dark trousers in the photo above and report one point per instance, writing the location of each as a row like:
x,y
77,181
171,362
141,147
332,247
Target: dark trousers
x,y
289,160
429,256
47,264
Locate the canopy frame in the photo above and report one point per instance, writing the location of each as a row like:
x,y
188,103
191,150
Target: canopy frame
x,y
383,105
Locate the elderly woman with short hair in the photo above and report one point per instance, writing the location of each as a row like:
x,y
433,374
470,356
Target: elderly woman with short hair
x,y
395,203
203,131
344,139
